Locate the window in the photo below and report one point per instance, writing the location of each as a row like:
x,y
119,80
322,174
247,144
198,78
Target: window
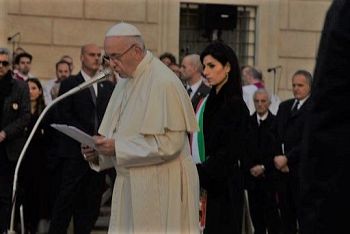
x,y
202,23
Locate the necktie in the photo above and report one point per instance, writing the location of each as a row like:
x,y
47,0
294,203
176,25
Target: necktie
x,y
295,107
189,91
260,121
93,96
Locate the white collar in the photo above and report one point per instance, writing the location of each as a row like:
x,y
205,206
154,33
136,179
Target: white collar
x,y
87,78
194,87
258,117
301,102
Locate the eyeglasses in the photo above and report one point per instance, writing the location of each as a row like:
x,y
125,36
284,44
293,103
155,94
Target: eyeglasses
x,y
4,63
118,57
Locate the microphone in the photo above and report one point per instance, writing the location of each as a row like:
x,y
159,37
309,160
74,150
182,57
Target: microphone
x,y
103,75
273,68
13,36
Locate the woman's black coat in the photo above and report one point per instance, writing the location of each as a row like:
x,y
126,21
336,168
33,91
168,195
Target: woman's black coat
x,y
225,129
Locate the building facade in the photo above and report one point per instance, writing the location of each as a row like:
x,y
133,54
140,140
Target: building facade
x,y
284,32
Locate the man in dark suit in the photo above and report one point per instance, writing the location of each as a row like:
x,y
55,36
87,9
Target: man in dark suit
x,y
260,180
325,159
191,71
81,188
290,122
14,116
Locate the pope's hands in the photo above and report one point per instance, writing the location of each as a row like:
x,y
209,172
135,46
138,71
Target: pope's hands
x,y
105,146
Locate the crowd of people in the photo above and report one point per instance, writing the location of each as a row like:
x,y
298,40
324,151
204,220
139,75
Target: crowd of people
x,y
246,146
173,134
53,178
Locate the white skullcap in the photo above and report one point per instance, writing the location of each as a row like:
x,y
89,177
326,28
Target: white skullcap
x,y
123,29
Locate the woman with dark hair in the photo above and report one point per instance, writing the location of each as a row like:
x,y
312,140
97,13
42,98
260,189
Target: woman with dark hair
x,y
33,173
225,124
37,101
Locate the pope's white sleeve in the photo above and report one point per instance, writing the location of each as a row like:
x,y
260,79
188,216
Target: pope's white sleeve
x,y
104,162
143,150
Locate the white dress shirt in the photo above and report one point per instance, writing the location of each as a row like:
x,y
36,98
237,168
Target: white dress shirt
x,y
87,78
194,87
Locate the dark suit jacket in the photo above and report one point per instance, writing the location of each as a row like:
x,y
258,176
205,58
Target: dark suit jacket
x,y
325,162
262,147
15,117
79,110
80,188
202,91
289,128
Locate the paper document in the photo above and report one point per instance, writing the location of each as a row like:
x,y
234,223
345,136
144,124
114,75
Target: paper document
x,y
75,133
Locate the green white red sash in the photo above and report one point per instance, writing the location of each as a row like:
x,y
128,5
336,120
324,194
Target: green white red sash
x,y
197,142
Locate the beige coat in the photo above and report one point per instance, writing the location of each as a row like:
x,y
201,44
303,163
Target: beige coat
x,y
157,186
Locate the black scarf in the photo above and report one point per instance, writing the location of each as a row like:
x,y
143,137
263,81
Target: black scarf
x,y
5,90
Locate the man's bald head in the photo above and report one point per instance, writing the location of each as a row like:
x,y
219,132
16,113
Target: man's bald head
x,y
191,68
86,48
90,58
195,61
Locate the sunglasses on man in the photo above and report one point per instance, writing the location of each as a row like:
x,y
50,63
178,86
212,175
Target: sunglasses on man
x,y
4,63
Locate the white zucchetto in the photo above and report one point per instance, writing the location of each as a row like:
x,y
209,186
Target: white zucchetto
x,y
123,29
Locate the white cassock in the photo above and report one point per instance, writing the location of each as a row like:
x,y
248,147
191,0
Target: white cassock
x,y
248,93
157,186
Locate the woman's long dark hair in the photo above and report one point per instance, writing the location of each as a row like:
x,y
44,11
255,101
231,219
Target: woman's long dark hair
x,y
40,102
225,54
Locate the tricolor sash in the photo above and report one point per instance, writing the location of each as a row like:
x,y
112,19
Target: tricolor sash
x,y
197,143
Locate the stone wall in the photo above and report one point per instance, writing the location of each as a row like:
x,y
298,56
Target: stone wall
x,y
288,31
301,22
51,28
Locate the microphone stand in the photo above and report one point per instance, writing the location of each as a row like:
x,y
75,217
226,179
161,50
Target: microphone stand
x,y
13,41
105,74
274,81
274,69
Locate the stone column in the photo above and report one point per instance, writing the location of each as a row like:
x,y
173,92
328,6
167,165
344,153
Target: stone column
x,y
169,23
3,13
